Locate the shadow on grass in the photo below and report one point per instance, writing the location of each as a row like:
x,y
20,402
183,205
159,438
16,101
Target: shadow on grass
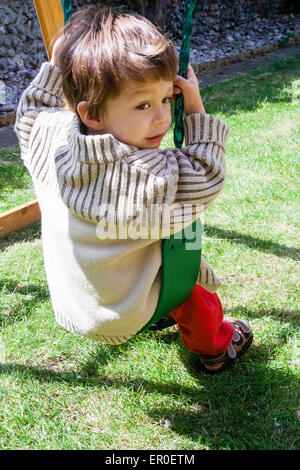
x,y
29,234
238,409
254,89
26,298
26,295
279,314
267,246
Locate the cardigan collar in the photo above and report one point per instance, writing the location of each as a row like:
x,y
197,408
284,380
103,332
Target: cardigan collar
x,y
100,148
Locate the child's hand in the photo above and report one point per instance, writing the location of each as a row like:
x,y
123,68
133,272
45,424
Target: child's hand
x,y
59,43
189,87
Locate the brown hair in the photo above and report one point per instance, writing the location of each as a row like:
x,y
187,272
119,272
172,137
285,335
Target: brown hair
x,y
104,48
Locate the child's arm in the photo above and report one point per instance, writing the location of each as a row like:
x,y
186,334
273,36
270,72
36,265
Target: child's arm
x,y
193,175
201,163
44,94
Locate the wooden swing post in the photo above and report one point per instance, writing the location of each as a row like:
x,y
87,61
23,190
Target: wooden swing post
x,y
51,19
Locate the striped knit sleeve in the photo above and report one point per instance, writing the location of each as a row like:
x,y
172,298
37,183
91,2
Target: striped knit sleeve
x,y
193,175
207,277
44,93
201,164
183,182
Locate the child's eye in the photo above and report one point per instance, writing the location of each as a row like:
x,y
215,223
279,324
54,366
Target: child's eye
x,y
167,99
143,106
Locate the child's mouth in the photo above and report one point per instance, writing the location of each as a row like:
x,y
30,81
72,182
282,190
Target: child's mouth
x,y
156,138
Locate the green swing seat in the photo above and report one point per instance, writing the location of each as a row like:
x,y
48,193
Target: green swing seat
x,y
180,268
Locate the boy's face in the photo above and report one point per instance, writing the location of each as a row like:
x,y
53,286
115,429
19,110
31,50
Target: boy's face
x,y
141,115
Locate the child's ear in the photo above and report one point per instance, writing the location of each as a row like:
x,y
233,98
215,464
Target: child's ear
x,y
90,122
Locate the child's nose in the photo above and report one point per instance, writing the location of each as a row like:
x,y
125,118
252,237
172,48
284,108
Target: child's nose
x,y
160,116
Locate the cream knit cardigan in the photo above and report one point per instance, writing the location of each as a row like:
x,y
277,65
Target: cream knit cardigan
x,y
108,289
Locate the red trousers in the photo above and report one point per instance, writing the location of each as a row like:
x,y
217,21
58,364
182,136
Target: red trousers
x,y
200,320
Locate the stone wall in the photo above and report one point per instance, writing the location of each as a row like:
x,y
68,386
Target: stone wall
x,y
21,44
22,48
219,28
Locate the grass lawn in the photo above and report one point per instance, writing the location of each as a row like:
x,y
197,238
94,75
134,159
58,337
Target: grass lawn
x,y
62,391
15,182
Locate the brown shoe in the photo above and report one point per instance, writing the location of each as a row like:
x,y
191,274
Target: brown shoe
x,y
164,322
241,340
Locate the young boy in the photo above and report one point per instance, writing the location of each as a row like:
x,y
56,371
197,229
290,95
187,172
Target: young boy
x,y
97,158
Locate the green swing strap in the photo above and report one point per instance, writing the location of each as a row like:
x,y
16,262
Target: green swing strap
x,y
67,7
180,265
184,59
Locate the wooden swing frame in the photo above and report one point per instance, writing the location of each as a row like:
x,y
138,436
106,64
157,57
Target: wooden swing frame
x,y
51,19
